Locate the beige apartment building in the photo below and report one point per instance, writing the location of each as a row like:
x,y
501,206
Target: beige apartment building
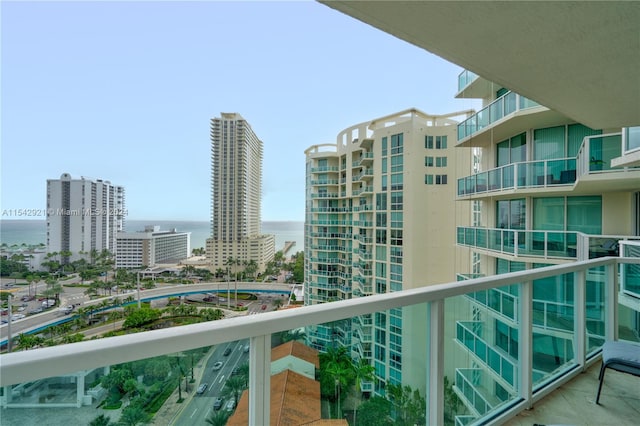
x,y
381,213
236,194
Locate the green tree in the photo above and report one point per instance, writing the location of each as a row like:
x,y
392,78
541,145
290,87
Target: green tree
x,y
141,316
363,371
277,303
374,412
133,415
233,387
28,341
218,418
409,406
101,420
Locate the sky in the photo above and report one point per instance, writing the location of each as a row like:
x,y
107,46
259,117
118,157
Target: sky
x,y
124,91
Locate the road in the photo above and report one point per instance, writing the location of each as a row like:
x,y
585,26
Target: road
x,y
76,296
200,407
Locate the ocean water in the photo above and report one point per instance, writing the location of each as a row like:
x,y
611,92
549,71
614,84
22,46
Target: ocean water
x,y
33,232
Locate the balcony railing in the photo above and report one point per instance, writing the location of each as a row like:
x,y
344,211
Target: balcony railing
x,y
543,244
465,78
37,368
594,156
506,104
526,174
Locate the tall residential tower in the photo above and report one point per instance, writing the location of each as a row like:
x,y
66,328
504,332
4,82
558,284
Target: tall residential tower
x,y
380,218
83,215
236,193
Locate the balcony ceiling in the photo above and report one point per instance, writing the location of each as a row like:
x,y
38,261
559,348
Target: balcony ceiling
x,y
579,58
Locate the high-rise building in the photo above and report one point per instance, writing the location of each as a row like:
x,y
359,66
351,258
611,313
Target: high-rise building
x,y
236,194
150,247
546,190
83,215
380,218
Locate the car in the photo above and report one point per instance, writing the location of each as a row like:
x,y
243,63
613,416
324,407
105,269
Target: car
x,y
231,404
263,307
217,365
227,352
217,404
202,388
36,311
235,371
245,349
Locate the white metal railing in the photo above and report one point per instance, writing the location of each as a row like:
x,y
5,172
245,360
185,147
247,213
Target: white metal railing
x,y
36,364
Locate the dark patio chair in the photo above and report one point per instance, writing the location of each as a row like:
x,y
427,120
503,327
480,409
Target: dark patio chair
x,y
619,356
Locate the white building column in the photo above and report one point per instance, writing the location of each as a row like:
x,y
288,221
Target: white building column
x,y
260,380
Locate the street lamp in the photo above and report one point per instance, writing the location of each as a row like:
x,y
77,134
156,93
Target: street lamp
x,y
138,285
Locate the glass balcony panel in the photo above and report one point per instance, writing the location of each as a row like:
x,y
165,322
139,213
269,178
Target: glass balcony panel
x,y
481,237
632,138
470,236
509,103
495,179
595,309
495,239
496,111
527,103
507,176
602,150
481,379
484,118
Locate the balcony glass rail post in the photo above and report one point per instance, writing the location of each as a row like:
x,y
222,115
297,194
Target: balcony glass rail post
x,y
525,348
611,310
435,373
579,319
259,379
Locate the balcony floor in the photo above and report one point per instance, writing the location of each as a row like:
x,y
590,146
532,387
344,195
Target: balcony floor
x,y
574,402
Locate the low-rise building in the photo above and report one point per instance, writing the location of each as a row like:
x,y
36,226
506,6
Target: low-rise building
x,y
151,247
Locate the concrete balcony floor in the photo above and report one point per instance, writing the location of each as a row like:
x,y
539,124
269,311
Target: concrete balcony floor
x,y
574,402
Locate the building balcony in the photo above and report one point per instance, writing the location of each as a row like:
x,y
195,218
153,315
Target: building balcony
x,y
52,377
325,195
591,167
323,169
324,182
465,78
504,117
548,245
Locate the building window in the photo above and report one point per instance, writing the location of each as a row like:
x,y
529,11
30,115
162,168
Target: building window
x,y
396,144
428,142
384,146
396,200
396,182
396,237
396,163
428,179
428,161
441,161
441,179
441,142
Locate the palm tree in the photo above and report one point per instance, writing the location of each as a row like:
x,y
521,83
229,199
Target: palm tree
x,y
243,372
363,372
251,268
218,418
277,303
234,387
101,420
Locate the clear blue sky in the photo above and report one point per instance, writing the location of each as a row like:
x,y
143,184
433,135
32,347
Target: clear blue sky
x,y
124,91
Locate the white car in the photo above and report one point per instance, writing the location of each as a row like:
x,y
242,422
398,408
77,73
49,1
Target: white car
x,y
16,317
202,388
217,365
